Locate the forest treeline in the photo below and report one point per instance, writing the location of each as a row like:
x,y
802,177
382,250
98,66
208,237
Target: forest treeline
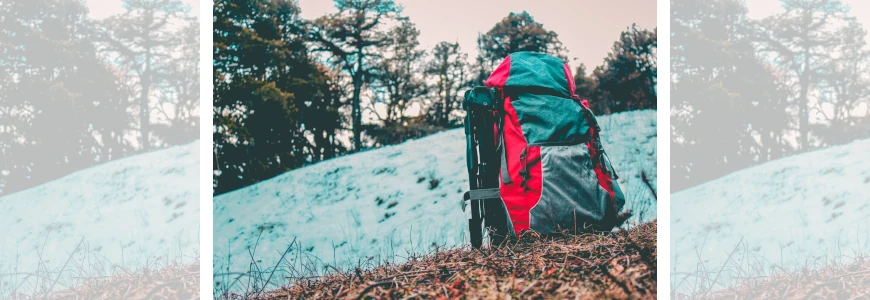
x,y
76,91
747,91
290,91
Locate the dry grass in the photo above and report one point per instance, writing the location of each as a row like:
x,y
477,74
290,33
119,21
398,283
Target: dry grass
x,y
616,265
839,281
175,281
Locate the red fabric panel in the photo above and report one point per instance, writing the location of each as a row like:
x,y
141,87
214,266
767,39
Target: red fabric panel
x,y
518,199
572,86
604,179
500,75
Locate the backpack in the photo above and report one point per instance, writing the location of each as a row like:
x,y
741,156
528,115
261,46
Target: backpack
x,y
534,155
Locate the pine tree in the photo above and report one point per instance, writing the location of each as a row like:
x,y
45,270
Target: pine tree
x,y
801,38
352,37
627,79
61,107
177,107
275,108
449,67
844,88
516,32
398,79
586,87
143,42
728,108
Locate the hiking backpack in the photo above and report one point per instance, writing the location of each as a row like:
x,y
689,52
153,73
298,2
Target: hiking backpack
x,y
534,156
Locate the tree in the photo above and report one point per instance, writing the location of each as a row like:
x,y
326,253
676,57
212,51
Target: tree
x,y
177,107
275,107
844,88
449,67
627,79
397,77
352,37
728,108
143,42
516,32
61,107
586,86
800,38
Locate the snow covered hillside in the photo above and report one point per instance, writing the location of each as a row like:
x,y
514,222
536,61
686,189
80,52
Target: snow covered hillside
x,y
383,204
129,212
804,210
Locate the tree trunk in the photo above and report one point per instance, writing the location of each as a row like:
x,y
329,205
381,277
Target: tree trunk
x,y
355,105
144,113
803,116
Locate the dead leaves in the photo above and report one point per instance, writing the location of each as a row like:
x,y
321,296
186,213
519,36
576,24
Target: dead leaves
x,y
612,265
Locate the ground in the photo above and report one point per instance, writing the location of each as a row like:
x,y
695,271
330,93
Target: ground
x,y
613,265
840,281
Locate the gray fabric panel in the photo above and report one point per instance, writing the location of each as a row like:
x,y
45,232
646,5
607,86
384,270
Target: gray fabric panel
x,y
617,191
570,190
510,223
505,176
484,194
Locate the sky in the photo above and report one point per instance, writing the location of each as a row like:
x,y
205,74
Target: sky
x,y
860,9
100,9
587,28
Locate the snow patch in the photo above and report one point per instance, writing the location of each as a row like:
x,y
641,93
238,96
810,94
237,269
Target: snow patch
x,y
126,213
803,210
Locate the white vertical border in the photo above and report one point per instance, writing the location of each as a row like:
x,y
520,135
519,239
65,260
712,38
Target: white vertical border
x,y
663,131
205,152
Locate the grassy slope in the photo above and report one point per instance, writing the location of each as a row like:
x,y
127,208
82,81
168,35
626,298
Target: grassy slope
x,y
839,281
173,281
619,264
771,217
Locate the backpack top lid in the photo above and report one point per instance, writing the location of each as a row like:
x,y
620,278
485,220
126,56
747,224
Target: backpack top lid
x,y
541,92
533,72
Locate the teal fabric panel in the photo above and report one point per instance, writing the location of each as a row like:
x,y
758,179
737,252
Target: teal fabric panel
x,y
539,73
550,119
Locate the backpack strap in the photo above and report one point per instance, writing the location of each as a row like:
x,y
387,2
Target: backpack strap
x,y
596,142
480,194
502,148
505,175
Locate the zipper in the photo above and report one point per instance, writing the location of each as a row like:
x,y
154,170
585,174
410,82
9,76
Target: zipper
x,y
573,143
603,159
525,174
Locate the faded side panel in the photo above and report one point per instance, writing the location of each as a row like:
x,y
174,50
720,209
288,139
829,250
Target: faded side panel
x,y
570,191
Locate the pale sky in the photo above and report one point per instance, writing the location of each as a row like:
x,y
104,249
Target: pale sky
x,y
100,9
587,28
860,9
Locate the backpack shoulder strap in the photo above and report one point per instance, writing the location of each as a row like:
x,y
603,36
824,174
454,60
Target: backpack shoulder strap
x,y
596,141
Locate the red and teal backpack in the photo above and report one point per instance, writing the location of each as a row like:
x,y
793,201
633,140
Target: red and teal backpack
x,y
535,158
